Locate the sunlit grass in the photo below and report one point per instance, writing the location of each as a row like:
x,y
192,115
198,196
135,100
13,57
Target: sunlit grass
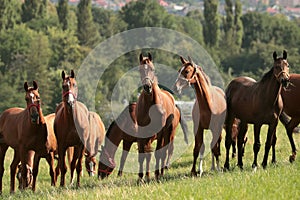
x,y
279,181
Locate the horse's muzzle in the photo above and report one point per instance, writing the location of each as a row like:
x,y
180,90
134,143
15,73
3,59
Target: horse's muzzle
x,y
147,88
285,83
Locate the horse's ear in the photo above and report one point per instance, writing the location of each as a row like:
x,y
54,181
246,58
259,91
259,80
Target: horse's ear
x,y
284,54
141,57
191,61
72,74
63,75
35,85
274,55
26,86
183,61
149,56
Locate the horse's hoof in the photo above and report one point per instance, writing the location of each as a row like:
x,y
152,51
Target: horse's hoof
x,y
193,173
292,158
233,155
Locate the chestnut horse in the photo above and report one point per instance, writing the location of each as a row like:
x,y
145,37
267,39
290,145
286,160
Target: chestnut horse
x,y
291,107
71,127
25,130
52,145
123,129
156,116
256,103
95,139
208,113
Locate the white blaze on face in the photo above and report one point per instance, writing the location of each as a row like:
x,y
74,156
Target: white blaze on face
x,y
31,95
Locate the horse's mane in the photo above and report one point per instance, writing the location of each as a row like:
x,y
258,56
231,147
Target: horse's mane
x,y
207,79
110,127
267,75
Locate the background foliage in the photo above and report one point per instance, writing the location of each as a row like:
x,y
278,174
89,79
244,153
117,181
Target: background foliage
x,y
39,39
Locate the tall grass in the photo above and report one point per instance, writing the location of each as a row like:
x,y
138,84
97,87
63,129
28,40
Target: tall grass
x,y
278,181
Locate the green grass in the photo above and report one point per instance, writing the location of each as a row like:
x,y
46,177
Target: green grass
x,y
279,181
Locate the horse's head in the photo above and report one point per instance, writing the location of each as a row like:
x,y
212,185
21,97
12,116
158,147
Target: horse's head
x,y
70,89
28,178
90,164
281,69
33,101
146,69
186,74
106,164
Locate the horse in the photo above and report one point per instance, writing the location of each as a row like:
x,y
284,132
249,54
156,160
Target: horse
x,y
208,112
52,144
96,138
71,127
292,109
25,130
256,103
156,116
123,129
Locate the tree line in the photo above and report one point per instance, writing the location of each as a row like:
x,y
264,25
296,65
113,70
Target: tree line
x,y
39,39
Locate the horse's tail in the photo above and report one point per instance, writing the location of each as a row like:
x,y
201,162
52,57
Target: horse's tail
x,y
284,118
183,125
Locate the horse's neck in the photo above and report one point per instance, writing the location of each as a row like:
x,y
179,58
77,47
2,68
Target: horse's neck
x,y
203,93
111,147
42,118
154,97
270,89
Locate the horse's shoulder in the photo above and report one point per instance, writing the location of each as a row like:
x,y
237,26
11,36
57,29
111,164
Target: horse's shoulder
x,y
83,107
169,96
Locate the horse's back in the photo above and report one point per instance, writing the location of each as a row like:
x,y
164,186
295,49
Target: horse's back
x,y
291,96
96,132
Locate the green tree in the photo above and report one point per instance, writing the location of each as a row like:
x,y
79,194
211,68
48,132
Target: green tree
x,y
62,12
86,30
32,9
146,13
9,13
211,23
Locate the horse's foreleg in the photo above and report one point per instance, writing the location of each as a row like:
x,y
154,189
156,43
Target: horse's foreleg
x,y
35,170
79,163
158,155
274,139
198,144
52,170
240,142
148,159
126,148
256,145
271,132
76,153
62,165
3,149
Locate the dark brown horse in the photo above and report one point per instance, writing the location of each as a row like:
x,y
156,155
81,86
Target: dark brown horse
x,y
156,116
208,113
71,127
24,130
291,107
256,103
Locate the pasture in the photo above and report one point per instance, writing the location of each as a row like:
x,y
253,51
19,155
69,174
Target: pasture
x,y
278,181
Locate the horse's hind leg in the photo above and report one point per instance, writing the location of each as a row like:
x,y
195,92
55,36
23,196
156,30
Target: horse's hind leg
x,y
126,148
3,149
289,130
228,137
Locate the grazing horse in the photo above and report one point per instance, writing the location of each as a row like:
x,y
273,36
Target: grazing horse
x,y
96,137
256,103
123,129
208,113
71,127
25,131
291,107
156,116
52,146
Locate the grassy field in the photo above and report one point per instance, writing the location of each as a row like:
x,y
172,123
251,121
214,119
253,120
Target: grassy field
x,y
278,181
